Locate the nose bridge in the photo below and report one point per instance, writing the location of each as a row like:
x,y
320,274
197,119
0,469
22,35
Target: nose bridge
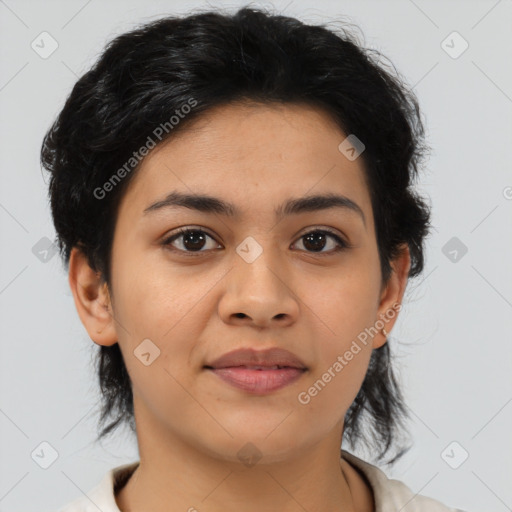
x,y
259,267
257,286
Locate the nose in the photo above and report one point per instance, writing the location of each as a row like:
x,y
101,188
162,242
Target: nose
x,y
259,294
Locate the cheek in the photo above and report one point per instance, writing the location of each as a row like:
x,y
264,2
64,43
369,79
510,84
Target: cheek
x,y
153,298
167,307
331,389
347,308
346,305
157,305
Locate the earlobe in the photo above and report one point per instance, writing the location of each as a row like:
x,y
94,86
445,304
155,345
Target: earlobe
x,y
92,299
392,296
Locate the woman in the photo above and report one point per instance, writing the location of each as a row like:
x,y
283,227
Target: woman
x,y
233,198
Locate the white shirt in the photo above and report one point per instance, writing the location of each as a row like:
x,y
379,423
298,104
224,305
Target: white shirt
x,y
390,495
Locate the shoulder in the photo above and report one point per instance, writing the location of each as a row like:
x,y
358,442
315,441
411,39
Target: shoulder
x,y
102,496
391,495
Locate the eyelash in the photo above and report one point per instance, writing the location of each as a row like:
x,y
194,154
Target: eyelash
x,y
341,244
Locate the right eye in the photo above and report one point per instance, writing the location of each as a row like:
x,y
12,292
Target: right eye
x,y
191,240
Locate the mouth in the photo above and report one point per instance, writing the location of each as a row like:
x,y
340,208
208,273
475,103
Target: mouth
x,y
253,367
257,371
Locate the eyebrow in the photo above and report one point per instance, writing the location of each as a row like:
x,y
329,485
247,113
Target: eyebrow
x,y
209,204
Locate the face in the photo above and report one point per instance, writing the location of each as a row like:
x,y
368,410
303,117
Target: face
x,y
307,281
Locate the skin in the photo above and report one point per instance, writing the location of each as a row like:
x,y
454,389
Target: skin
x,y
190,423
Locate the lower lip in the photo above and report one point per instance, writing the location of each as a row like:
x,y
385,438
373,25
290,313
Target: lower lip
x,y
258,381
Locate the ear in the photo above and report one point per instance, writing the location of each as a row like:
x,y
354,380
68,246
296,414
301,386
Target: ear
x,y
392,295
92,299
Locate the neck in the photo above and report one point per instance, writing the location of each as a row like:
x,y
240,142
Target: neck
x,y
174,475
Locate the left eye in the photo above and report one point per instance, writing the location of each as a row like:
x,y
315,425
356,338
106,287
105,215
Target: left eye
x,y
193,240
319,236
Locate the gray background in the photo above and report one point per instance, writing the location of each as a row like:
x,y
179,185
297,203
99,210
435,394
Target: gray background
x,y
453,336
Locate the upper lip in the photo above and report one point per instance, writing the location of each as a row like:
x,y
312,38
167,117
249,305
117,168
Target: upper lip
x,y
251,357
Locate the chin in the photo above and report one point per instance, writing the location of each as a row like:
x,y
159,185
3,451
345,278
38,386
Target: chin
x,y
256,447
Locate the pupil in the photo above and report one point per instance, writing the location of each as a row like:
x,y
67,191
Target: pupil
x,y
196,238
311,238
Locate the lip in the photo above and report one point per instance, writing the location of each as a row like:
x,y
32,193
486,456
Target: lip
x,y
250,357
258,382
252,370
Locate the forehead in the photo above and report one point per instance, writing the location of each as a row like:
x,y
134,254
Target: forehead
x,y
244,129
249,154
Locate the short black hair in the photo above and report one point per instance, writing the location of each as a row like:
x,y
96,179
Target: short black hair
x,y
214,58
